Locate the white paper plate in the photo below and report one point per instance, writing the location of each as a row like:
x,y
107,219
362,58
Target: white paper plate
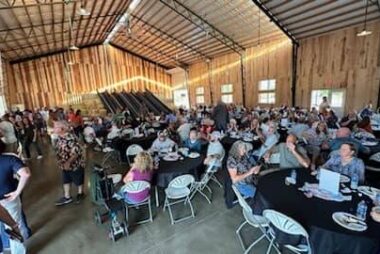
x,y
369,143
116,178
247,139
376,209
170,158
369,191
194,155
343,219
344,179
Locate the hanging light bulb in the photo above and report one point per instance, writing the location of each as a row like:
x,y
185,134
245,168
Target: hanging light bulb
x,y
82,11
365,32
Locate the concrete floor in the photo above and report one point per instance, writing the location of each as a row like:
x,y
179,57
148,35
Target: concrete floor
x,y
71,229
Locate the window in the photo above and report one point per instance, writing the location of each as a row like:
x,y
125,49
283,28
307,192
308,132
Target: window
x,y
199,95
227,93
335,97
267,91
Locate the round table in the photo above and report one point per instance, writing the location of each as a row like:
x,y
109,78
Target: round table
x,y
168,170
122,144
315,214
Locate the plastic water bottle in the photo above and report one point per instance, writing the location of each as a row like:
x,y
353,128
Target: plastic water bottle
x,y
377,199
354,181
293,175
361,211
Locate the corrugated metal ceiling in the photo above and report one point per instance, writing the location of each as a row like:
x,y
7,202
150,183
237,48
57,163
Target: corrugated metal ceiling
x,y
169,32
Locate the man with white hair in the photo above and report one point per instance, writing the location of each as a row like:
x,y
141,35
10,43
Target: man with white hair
x,y
70,162
215,150
8,134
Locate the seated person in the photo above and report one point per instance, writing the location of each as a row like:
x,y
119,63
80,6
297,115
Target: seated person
x,y
192,142
142,170
184,129
232,126
255,127
269,141
346,163
89,134
215,150
114,132
299,127
162,143
365,125
315,137
242,169
291,154
350,120
343,135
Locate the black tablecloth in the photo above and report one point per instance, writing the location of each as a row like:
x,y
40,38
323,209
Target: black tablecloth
x,y
315,215
227,143
168,170
122,144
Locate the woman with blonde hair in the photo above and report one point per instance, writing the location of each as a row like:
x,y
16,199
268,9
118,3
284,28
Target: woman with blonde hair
x,y
142,170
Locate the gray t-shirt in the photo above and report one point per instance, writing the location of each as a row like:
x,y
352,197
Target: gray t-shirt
x,y
287,159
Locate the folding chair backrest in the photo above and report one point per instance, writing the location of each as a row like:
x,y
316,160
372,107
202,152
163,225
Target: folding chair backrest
x,y
134,150
285,223
135,186
182,181
242,202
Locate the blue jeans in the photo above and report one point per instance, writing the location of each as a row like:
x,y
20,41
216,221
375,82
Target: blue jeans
x,y
246,190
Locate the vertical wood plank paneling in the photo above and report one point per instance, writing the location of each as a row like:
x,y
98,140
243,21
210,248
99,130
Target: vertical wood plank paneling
x,y
270,60
41,82
341,60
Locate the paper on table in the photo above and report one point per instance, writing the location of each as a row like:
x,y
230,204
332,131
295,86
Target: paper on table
x,y
329,181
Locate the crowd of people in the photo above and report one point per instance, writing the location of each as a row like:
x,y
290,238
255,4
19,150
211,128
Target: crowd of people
x,y
302,138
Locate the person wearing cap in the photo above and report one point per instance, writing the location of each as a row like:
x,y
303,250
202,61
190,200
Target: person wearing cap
x,y
215,150
162,143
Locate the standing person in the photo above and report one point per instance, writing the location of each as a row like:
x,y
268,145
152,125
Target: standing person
x,y
30,138
70,161
324,106
220,116
10,190
8,134
77,123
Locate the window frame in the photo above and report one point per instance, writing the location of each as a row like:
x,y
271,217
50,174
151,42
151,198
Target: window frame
x,y
268,91
227,93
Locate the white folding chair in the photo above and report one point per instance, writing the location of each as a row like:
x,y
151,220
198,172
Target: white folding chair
x,y
255,221
133,188
288,226
179,190
199,187
133,150
215,169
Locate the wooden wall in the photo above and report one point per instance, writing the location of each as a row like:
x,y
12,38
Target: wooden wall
x,y
265,61
42,82
341,60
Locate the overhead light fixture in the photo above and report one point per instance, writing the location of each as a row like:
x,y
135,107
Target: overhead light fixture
x,y
365,32
73,47
122,21
83,12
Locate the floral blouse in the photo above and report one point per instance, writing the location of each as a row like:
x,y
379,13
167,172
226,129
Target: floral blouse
x,y
242,166
67,145
356,166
